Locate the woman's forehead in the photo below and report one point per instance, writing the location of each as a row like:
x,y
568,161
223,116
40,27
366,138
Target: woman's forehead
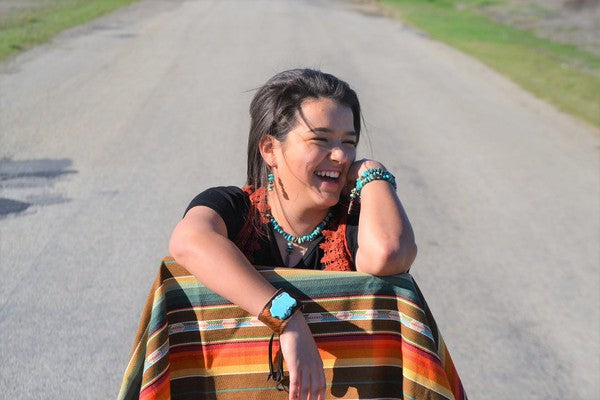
x,y
325,115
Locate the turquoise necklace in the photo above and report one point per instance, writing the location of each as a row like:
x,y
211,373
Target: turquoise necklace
x,y
291,239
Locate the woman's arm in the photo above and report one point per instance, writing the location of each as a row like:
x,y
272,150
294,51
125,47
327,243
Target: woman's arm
x,y
386,243
199,243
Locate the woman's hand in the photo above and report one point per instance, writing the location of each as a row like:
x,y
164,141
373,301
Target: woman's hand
x,y
307,378
357,168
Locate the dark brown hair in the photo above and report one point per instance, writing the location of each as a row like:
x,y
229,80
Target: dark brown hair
x,y
274,109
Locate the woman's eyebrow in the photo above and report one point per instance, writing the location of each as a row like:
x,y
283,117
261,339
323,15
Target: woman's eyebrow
x,y
327,130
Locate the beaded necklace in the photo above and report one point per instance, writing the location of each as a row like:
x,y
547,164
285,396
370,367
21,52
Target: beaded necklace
x,y
336,257
291,239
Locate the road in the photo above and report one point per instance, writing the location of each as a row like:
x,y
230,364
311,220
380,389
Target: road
x,y
110,130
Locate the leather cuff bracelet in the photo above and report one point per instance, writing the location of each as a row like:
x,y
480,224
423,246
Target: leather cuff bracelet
x,y
278,310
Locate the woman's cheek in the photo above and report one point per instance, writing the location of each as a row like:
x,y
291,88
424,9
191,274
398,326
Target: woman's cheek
x,y
352,155
315,155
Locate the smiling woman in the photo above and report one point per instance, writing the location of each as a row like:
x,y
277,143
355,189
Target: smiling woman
x,y
295,212
314,159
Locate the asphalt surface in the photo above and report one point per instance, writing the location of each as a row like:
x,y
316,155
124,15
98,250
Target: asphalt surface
x,y
108,132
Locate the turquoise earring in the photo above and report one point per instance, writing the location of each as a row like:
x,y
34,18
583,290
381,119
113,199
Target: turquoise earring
x,y
271,179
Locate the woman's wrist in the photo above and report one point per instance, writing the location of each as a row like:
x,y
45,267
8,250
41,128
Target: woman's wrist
x,y
359,167
367,165
369,175
294,323
278,311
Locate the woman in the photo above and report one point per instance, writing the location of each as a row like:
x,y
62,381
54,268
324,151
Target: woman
x,y
305,126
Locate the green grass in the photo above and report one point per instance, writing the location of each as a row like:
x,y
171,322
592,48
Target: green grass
x,y
559,73
31,22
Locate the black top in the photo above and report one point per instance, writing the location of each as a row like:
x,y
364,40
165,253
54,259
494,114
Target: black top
x,y
232,204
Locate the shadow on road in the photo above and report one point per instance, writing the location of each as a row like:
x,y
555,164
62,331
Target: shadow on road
x,y
29,183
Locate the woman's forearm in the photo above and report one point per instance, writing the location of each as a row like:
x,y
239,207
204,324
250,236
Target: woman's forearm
x,y
200,244
386,244
220,266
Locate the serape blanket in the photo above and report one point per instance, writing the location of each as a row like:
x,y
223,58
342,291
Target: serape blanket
x,y
376,337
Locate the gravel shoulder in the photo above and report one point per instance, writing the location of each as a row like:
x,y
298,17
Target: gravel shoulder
x,y
575,22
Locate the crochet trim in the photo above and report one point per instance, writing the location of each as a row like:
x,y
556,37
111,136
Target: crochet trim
x,y
336,254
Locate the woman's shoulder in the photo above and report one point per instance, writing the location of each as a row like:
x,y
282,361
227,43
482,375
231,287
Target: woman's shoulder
x,y
223,199
230,202
224,191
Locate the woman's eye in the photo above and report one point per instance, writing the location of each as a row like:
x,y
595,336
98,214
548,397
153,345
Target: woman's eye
x,y
323,140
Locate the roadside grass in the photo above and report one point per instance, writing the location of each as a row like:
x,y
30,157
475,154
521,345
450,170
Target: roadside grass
x,y
25,23
559,73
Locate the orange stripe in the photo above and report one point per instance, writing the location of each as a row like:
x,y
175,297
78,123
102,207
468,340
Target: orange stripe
x,y
159,390
424,365
256,353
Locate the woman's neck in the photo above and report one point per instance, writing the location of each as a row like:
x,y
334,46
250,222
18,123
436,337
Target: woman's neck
x,y
292,216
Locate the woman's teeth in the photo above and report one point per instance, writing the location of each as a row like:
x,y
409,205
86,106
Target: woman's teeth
x,y
328,174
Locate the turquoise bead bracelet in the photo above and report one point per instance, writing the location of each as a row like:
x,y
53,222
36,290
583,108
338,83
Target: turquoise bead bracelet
x,y
370,175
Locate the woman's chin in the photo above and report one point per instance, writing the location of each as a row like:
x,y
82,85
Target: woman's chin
x,y
326,194
329,199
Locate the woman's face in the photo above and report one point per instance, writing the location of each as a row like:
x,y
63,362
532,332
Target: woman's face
x,y
313,160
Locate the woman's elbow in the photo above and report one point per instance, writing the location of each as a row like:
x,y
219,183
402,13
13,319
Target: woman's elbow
x,y
391,259
407,256
178,245
175,249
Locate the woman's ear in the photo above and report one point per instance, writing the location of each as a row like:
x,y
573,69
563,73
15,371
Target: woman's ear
x,y
267,150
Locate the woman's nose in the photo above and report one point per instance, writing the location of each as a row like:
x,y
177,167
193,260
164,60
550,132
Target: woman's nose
x,y
338,154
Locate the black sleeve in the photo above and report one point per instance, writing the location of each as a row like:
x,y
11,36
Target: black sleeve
x,y
352,235
230,202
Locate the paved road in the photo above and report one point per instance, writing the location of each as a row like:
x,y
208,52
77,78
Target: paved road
x,y
109,131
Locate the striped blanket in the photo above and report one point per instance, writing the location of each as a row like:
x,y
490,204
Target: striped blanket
x,y
376,337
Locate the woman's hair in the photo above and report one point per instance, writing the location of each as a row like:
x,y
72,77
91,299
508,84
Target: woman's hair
x,y
275,106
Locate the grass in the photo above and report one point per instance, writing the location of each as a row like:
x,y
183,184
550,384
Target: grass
x,y
26,23
559,73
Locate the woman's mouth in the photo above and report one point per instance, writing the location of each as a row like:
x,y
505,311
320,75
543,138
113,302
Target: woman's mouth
x,y
328,177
